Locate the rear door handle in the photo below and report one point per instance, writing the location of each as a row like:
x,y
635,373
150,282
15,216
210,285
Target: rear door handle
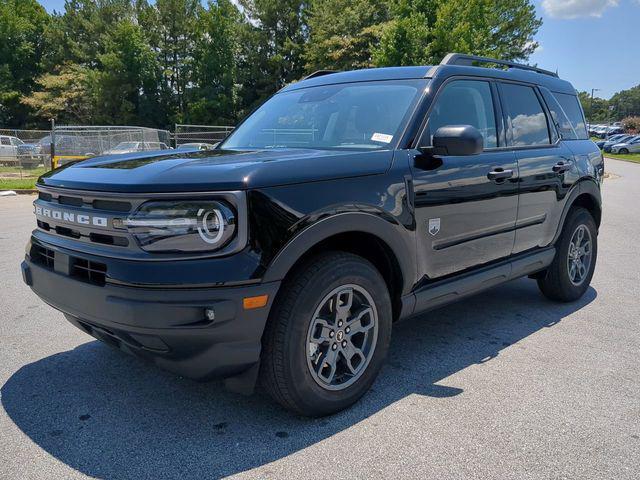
x,y
561,167
499,174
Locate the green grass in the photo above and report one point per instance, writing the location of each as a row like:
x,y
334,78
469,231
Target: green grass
x,y
15,178
630,157
17,183
31,172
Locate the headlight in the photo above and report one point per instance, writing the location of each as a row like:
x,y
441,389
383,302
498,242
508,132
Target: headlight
x,y
182,226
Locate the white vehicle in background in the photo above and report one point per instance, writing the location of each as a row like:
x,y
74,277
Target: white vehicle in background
x,y
601,131
131,147
9,150
196,146
630,146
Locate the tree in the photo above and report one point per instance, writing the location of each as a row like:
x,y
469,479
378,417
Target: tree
x,y
22,24
272,39
626,103
64,96
125,87
424,32
213,97
599,112
632,123
344,33
176,34
78,35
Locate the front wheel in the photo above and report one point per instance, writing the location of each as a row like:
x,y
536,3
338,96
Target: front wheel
x,y
327,336
624,151
570,273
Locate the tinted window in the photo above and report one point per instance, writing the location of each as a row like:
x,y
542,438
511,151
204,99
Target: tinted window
x,y
5,141
564,126
572,109
344,116
525,116
466,102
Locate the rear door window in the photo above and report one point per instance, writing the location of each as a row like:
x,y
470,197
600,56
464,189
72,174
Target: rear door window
x,y
466,102
526,119
5,141
573,111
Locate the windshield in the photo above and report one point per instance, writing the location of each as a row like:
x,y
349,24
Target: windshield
x,y
367,115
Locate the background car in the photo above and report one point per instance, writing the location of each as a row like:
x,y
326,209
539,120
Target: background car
x,y
631,146
196,146
130,147
613,131
9,150
614,140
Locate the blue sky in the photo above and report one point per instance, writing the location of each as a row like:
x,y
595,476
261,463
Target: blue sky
x,y
592,43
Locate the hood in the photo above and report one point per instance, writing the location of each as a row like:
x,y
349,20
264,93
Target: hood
x,y
214,170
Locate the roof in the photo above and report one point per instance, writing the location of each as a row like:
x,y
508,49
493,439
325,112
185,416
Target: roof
x,y
516,72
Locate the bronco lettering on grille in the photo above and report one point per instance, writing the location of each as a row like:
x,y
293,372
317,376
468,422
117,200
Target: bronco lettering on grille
x,y
71,217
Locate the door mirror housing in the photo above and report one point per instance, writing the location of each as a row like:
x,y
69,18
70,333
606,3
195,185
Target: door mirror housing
x,y
455,140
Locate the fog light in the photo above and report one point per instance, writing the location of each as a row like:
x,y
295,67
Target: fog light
x,y
210,314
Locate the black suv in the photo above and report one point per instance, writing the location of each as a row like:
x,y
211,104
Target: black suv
x,y
346,202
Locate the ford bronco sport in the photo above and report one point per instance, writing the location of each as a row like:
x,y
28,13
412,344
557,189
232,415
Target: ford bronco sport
x,y
346,202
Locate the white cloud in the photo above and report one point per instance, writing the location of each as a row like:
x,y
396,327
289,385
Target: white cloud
x,y
577,8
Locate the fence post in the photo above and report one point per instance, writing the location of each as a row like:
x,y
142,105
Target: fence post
x,y
52,147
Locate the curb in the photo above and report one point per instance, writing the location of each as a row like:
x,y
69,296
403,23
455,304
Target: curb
x,y
26,191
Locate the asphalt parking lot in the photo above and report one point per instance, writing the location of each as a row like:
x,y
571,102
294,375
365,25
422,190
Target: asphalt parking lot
x,y
502,385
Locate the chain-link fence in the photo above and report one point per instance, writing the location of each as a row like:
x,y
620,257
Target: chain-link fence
x,y
22,148
22,158
72,143
200,136
27,154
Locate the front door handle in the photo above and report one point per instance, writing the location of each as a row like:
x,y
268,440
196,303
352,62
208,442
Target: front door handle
x,y
499,174
561,167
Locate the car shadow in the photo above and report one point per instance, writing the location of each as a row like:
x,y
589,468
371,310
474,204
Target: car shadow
x,y
112,416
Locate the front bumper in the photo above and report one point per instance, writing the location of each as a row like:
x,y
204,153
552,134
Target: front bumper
x,y
168,326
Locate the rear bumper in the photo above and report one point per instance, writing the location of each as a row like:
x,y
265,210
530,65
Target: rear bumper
x,y
168,326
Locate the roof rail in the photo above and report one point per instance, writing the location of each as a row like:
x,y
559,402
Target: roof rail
x,y
463,59
319,73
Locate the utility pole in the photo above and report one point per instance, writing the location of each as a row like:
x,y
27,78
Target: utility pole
x,y
591,106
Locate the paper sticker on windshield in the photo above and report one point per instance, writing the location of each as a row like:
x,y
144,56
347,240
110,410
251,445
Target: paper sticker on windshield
x,y
381,137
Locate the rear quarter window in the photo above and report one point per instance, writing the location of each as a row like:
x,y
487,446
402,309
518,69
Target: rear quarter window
x,y
525,116
573,111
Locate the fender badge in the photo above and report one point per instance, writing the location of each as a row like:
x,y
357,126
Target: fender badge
x,y
434,226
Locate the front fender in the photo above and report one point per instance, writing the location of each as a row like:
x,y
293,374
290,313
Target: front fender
x,y
394,235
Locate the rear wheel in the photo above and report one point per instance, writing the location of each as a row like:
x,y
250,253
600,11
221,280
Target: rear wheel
x,y
568,277
623,151
327,336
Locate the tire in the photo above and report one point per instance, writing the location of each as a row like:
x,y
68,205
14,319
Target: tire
x,y
624,151
291,354
562,282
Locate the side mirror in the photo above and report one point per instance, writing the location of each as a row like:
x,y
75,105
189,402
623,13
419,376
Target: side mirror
x,y
456,140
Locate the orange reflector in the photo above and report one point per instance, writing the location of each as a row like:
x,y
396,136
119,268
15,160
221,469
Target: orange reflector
x,y
255,302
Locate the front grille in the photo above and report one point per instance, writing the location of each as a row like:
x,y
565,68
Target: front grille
x,y
88,271
73,201
112,205
67,232
43,256
59,213
80,268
